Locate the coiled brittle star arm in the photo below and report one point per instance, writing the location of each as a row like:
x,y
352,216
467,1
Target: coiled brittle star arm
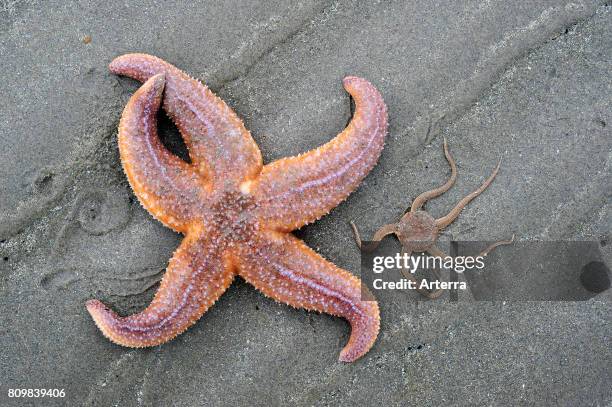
x,y
219,145
315,182
426,196
284,268
196,277
169,188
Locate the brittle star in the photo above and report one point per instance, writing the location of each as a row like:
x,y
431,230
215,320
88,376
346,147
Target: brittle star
x,y
418,231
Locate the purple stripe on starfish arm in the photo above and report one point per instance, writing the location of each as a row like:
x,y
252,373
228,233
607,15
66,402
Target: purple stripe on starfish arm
x,y
170,189
196,277
218,143
285,269
315,182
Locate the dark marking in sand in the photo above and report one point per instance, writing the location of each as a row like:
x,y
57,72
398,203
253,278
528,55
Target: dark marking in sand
x,y
595,277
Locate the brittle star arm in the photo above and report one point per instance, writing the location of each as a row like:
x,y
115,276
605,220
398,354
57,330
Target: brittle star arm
x,y
426,196
383,231
285,269
169,188
196,277
298,190
493,246
452,215
219,145
437,252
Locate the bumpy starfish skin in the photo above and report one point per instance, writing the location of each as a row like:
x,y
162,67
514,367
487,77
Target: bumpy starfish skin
x,y
235,213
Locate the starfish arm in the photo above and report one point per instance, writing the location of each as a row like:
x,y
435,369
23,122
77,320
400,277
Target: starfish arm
x,y
218,143
285,269
196,277
298,190
169,188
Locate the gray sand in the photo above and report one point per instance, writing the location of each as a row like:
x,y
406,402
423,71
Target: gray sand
x,y
528,81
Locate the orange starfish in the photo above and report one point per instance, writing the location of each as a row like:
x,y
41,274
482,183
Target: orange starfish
x,y
237,214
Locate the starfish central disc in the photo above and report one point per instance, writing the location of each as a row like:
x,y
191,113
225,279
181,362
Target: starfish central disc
x,y
234,218
236,213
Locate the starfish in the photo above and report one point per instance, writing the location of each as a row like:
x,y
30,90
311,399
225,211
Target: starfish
x,y
418,231
235,213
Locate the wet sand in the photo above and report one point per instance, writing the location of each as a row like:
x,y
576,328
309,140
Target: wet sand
x,y
530,82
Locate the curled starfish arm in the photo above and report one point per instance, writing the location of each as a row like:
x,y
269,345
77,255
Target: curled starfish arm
x,y
196,277
169,188
219,145
285,269
298,190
